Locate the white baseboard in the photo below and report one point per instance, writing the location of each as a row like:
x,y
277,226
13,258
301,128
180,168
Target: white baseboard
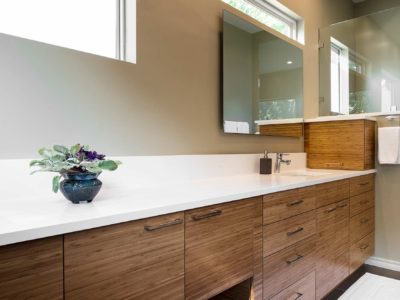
x,y
383,263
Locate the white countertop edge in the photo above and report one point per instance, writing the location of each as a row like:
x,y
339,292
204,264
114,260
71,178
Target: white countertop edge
x,y
280,121
364,116
64,228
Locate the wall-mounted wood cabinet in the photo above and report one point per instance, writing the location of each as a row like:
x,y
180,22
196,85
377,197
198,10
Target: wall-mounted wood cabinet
x,y
346,145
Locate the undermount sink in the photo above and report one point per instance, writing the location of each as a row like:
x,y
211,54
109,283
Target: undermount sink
x,y
304,173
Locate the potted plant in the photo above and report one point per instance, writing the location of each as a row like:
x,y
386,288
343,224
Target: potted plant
x,y
79,167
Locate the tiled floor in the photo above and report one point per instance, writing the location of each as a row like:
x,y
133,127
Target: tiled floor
x,y
344,286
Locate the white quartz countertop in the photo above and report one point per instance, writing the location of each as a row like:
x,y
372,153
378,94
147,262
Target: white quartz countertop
x,y
29,211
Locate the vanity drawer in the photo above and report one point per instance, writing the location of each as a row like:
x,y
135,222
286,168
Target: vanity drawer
x,y
304,289
287,232
287,266
334,239
361,251
362,202
361,225
331,214
331,192
362,184
283,205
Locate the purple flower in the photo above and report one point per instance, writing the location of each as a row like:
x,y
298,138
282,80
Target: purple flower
x,y
89,155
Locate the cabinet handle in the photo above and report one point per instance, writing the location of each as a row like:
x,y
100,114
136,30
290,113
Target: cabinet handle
x,y
293,260
363,183
363,221
290,233
329,210
342,205
363,247
211,214
298,296
297,202
164,225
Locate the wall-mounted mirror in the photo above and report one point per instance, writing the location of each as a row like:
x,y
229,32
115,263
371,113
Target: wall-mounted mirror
x,y
101,27
360,65
262,77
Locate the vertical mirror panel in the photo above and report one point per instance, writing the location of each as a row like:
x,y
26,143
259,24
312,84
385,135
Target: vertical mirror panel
x,y
360,65
262,77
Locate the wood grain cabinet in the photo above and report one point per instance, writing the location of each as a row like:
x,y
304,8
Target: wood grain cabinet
x,y
218,248
32,270
136,260
347,145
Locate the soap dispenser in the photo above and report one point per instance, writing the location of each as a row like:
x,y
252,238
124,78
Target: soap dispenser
x,y
265,164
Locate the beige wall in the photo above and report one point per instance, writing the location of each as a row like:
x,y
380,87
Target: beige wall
x,y
169,103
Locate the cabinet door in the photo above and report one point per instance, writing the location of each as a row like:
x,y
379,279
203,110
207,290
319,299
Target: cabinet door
x,y
137,260
218,248
32,270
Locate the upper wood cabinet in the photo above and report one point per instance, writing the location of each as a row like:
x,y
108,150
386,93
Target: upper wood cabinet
x,y
347,145
218,248
136,260
32,270
286,130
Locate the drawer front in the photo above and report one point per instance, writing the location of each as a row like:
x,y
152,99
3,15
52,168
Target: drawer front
x,y
282,234
331,192
135,260
334,239
304,289
336,161
362,184
362,202
32,270
361,251
218,248
361,225
287,266
331,214
283,205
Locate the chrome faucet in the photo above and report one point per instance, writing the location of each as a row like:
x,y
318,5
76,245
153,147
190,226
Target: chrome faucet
x,y
280,160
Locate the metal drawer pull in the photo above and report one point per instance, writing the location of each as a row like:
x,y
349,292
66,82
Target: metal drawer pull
x,y
363,184
298,257
329,210
206,216
363,247
297,202
363,221
342,205
290,233
168,224
298,296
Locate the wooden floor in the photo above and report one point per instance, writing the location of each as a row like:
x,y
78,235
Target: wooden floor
x,y
339,290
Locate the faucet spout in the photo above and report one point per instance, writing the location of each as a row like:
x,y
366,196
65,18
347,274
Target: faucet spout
x,y
280,160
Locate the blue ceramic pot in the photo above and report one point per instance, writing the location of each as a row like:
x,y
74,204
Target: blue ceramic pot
x,y
80,187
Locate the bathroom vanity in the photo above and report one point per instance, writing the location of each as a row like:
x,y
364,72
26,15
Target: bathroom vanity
x,y
292,235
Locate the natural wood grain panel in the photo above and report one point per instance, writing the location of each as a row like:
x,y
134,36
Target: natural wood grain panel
x,y
287,266
362,184
362,202
361,225
332,214
287,232
32,270
287,130
361,251
347,145
218,250
304,289
257,284
331,192
125,261
283,205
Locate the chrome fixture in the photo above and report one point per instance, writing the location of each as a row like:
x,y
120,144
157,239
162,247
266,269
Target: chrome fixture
x,y
280,160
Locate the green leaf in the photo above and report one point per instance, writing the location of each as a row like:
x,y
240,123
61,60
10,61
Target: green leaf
x,y
61,149
75,149
93,169
46,153
58,158
56,183
36,163
86,147
108,165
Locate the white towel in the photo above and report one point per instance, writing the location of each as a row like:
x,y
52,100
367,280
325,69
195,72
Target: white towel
x,y
389,145
230,127
243,127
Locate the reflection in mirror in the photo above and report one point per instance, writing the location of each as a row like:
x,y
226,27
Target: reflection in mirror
x,y
262,77
101,27
360,65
